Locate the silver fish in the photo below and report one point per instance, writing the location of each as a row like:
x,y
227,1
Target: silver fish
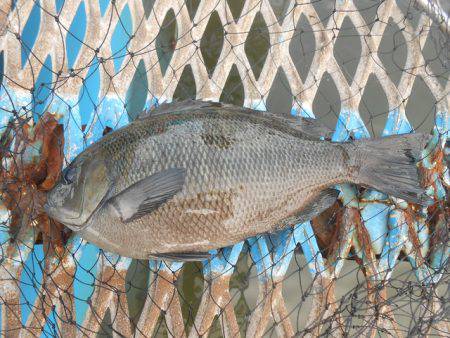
x,y
193,176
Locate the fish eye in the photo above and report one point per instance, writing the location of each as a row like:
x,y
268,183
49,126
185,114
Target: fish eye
x,y
68,175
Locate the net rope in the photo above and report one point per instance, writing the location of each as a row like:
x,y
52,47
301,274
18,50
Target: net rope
x,y
72,71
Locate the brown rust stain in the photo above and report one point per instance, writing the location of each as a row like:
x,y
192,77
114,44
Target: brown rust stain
x,y
326,227
365,243
410,216
427,175
438,213
439,229
26,180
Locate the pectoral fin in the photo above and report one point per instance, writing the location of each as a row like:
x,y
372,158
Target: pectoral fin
x,y
181,256
148,194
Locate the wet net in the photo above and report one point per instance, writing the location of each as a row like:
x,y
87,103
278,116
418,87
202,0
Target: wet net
x,y
72,71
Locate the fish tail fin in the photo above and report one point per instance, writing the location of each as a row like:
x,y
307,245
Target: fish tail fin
x,y
389,164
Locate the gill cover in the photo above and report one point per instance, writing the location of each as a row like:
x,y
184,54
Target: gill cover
x,y
80,191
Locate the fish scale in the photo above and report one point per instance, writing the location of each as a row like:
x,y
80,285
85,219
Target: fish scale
x,y
264,162
245,173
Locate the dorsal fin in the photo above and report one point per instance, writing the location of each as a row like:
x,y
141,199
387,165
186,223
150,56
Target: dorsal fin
x,y
310,127
179,106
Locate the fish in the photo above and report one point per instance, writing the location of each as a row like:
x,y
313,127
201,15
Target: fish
x,y
193,176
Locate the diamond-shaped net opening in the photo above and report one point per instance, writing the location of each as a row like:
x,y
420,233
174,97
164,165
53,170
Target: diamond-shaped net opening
x,y
74,71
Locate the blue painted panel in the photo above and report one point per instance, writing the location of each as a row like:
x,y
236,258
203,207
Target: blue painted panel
x,y
111,113
396,124
51,329
395,241
304,235
443,123
103,6
440,253
71,120
304,111
283,246
374,216
121,38
59,5
30,32
85,277
11,101
75,35
152,102
349,123
88,95
260,254
223,263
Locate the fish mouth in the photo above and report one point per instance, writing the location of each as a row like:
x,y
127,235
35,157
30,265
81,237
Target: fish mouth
x,y
65,219
49,209
73,220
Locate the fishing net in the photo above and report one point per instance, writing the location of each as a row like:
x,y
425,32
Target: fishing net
x,y
72,71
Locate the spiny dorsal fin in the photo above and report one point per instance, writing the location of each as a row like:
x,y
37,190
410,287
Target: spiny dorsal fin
x,y
148,194
312,128
179,106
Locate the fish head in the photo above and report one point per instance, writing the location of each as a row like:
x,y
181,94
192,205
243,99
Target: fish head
x,y
81,189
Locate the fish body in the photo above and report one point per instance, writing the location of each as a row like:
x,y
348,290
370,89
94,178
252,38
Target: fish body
x,y
187,180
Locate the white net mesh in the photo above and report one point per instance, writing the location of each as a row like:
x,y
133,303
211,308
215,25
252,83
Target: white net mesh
x,y
71,71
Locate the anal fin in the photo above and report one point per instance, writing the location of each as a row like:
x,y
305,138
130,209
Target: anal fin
x,y
322,202
181,256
